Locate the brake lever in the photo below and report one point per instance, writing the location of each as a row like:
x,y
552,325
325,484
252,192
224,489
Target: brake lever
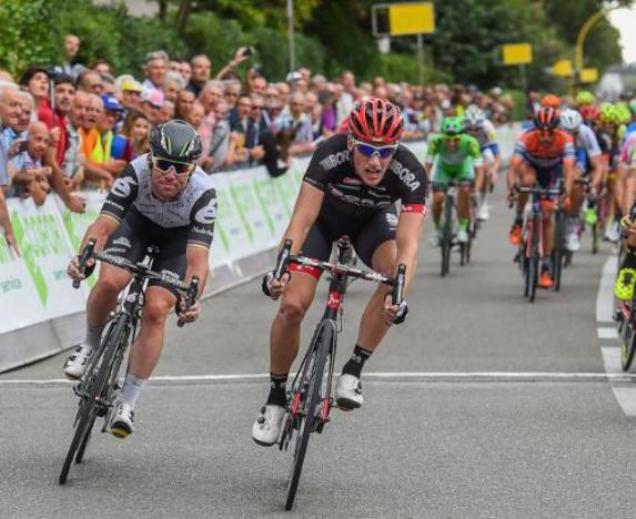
x,y
85,255
191,297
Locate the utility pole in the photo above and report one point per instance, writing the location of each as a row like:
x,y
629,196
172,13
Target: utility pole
x,y
292,47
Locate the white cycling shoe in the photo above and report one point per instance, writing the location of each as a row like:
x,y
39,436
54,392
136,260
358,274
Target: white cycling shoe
x,y
434,240
268,425
572,242
76,364
349,392
484,212
122,420
462,236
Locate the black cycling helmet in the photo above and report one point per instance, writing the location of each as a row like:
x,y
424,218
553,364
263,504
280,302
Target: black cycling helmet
x,y
175,140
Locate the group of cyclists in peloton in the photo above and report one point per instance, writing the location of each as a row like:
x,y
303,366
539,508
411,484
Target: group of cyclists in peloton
x,y
362,183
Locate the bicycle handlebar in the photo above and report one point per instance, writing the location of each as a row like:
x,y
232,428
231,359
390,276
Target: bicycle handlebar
x,y
285,258
136,268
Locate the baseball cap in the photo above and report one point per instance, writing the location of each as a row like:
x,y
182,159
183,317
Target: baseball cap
x,y
111,104
131,85
154,97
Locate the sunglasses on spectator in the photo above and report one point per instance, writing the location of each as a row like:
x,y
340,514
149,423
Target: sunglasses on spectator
x,y
164,165
369,150
231,94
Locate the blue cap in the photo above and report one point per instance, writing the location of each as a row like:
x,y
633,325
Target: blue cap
x,y
111,103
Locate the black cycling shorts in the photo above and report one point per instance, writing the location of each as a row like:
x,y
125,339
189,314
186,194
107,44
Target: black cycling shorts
x,y
366,236
136,233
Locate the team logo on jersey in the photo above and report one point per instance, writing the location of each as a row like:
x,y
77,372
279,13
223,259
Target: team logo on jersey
x,y
405,175
352,181
123,187
391,219
335,159
123,242
206,215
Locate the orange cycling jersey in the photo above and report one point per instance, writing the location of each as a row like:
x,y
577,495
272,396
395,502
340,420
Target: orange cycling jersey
x,y
530,149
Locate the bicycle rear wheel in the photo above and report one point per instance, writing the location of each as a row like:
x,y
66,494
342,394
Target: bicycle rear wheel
x,y
447,235
533,276
312,396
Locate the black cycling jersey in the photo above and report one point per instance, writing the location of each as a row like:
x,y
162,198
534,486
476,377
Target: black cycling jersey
x,y
193,211
367,214
348,198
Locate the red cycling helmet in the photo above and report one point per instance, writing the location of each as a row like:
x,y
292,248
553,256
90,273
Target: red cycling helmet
x,y
589,112
376,120
546,118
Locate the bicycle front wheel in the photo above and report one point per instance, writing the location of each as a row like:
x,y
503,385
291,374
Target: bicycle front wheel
x,y
628,348
91,401
311,402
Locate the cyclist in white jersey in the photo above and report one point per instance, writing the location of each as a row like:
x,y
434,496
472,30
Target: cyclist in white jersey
x,y
163,199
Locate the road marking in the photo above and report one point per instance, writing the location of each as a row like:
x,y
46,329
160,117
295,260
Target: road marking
x,y
612,359
607,333
605,296
626,397
426,376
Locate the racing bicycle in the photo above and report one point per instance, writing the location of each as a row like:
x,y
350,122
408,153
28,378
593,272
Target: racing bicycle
x,y
310,400
99,386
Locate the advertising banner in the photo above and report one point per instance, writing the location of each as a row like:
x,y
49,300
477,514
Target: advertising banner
x,y
45,249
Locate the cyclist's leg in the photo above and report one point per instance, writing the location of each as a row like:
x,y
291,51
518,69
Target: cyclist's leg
x,y
102,298
548,178
626,278
440,179
146,350
376,247
466,176
285,334
630,190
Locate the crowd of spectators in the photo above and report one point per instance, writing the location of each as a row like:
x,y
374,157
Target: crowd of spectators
x,y
74,127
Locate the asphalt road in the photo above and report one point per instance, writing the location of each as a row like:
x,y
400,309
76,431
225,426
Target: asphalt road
x,y
481,405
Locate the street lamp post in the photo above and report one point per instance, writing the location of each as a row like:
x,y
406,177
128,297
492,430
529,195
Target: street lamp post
x,y
292,48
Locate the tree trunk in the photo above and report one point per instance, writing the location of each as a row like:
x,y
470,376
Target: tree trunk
x,y
183,13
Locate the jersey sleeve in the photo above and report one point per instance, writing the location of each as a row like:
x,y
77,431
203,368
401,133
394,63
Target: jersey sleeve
x,y
202,219
590,142
122,194
414,184
325,158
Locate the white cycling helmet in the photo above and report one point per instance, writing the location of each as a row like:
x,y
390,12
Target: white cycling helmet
x,y
474,117
571,120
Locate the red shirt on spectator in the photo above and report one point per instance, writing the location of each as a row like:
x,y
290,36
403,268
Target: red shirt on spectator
x,y
54,120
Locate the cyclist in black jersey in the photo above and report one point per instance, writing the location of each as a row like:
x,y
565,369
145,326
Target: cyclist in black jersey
x,y
162,199
351,187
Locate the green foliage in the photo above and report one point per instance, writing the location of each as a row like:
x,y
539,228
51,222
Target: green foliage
x,y
25,34
331,36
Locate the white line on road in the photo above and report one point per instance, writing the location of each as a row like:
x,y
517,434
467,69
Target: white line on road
x,y
607,333
605,297
626,397
426,376
612,359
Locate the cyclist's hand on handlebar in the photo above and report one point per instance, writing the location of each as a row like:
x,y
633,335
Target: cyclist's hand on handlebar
x,y
274,287
394,314
74,272
188,314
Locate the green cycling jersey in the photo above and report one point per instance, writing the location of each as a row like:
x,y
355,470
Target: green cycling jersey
x,y
456,164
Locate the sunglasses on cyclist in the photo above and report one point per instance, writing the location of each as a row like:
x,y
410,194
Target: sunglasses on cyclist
x,y
164,165
368,150
453,139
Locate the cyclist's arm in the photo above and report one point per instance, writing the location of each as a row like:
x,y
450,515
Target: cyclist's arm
x,y
432,151
306,211
408,233
116,205
202,220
